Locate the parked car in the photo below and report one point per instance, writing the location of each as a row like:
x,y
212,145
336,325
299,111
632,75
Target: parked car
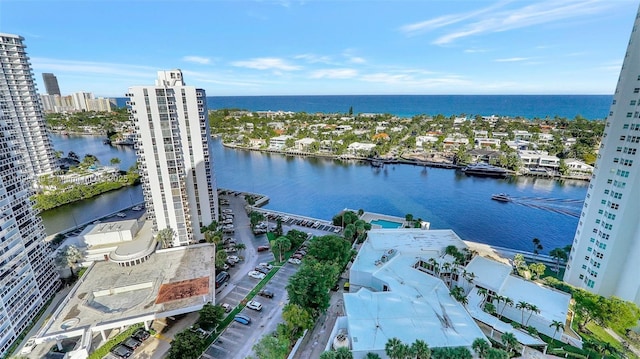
x,y
141,334
235,259
263,248
229,263
201,332
137,208
121,214
266,293
230,250
252,304
266,265
294,261
120,351
221,278
297,256
256,275
242,319
262,270
28,346
227,307
131,343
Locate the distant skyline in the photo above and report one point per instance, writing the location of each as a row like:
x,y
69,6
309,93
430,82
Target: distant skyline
x,y
313,47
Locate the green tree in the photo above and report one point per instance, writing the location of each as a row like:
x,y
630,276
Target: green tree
x,y
344,353
537,269
537,246
558,326
240,247
210,316
186,345
558,254
255,217
114,161
420,349
69,257
270,347
480,346
297,320
309,286
165,237
518,261
282,244
522,305
532,309
510,342
371,355
494,353
330,248
221,258
328,355
396,349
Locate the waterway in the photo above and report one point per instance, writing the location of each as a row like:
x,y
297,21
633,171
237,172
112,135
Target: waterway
x,y
322,187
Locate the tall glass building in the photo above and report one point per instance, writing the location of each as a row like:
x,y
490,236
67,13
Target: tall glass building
x,y
174,155
606,247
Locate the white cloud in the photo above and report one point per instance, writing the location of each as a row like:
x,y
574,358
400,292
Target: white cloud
x,y
313,58
197,59
475,51
512,59
334,73
438,22
529,15
266,63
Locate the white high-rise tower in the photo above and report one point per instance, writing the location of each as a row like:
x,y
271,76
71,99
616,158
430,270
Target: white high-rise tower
x,y
21,107
606,247
27,275
174,155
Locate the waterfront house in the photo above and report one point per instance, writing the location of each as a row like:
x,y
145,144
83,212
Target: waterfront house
x,y
279,142
361,149
422,140
257,142
484,155
522,135
483,142
538,159
578,168
304,143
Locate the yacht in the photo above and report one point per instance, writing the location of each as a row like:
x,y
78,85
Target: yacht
x,y
501,197
484,169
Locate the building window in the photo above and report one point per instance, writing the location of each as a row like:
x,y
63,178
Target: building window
x,y
636,90
592,239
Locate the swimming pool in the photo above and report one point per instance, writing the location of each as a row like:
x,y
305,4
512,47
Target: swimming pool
x,y
386,224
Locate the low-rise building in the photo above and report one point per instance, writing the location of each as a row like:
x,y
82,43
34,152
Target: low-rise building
x,y
483,142
361,149
521,135
577,167
538,159
304,143
422,140
279,142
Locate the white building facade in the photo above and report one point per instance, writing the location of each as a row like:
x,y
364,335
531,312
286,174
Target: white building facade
x,y
27,276
606,245
21,107
174,155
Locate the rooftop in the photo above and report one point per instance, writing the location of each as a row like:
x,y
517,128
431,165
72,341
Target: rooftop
x,y
109,295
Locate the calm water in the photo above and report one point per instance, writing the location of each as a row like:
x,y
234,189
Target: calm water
x,y
529,106
320,188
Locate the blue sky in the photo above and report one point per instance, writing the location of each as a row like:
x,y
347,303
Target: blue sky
x,y
319,47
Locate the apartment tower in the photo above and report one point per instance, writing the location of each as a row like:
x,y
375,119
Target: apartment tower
x,y
27,275
606,247
174,155
51,83
21,107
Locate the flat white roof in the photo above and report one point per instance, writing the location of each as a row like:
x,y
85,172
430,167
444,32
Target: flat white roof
x,y
110,227
490,274
416,305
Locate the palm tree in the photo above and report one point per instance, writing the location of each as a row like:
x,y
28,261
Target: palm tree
x,y
509,340
240,247
480,346
165,237
395,349
507,302
522,305
499,299
532,309
371,355
558,326
483,292
69,257
420,349
558,254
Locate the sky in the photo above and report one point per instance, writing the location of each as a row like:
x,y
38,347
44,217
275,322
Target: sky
x,y
327,47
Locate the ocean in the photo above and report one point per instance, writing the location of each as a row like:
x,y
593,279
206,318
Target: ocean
x,y
592,107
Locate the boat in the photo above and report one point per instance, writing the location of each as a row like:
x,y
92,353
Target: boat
x,y
501,197
484,170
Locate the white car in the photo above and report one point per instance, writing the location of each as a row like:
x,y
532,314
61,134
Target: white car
x,y
254,305
233,259
294,261
137,208
256,275
121,214
28,346
266,265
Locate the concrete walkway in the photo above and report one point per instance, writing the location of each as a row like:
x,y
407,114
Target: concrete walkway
x,y
635,350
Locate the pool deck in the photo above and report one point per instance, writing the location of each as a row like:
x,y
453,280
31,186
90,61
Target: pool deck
x,y
370,216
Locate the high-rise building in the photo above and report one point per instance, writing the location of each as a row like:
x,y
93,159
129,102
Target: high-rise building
x,y
606,247
174,155
51,83
21,107
27,275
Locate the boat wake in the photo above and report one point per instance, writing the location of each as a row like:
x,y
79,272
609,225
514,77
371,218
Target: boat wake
x,y
565,206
